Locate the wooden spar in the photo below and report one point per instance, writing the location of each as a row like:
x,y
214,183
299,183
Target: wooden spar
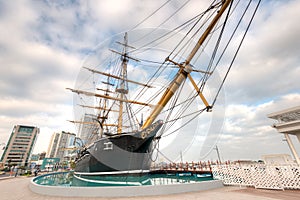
x,y
194,84
82,122
99,108
194,70
70,148
179,78
124,45
184,71
105,90
201,71
92,123
199,92
117,77
126,56
107,97
207,31
115,125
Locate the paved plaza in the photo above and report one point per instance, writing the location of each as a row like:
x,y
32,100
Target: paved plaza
x,y
18,189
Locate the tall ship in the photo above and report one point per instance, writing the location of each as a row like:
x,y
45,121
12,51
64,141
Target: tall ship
x,y
144,89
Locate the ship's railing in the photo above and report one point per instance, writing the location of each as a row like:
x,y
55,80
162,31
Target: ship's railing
x,y
259,175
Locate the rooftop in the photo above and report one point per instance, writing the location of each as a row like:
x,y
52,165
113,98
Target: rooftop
x,y
286,115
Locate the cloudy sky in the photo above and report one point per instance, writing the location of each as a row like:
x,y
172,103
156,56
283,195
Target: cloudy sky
x,y
44,43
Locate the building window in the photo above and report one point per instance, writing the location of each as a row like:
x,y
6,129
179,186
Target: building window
x,y
26,129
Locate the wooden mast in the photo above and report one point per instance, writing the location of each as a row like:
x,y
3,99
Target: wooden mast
x,y
123,87
184,71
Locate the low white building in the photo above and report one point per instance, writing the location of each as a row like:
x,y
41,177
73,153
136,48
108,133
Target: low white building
x,y
288,123
278,159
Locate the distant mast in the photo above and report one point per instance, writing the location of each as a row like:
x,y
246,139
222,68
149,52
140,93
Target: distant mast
x,y
122,88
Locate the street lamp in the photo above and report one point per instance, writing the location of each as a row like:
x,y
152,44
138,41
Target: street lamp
x,y
217,150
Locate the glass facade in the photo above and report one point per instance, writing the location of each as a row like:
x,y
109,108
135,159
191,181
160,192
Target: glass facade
x,y
26,129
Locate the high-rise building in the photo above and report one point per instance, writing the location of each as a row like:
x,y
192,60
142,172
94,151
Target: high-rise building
x,y
20,145
60,145
89,128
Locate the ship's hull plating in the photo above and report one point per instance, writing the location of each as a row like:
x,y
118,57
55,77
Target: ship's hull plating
x,y
125,152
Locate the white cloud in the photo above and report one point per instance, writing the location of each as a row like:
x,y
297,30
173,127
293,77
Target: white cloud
x,y
248,133
268,63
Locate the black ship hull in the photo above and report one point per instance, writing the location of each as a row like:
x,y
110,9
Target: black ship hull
x,y
126,153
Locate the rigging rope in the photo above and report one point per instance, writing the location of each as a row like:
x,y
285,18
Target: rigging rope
x,y
206,76
229,68
178,28
164,36
158,26
199,112
197,31
145,19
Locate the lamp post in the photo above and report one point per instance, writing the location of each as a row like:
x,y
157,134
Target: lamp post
x,y
217,150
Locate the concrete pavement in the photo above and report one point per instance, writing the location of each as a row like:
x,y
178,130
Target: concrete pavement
x,y
18,189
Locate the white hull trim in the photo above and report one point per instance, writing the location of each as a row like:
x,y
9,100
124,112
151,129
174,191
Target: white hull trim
x,y
112,173
111,182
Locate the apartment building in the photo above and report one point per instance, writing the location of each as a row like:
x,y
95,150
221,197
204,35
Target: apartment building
x,y
20,145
